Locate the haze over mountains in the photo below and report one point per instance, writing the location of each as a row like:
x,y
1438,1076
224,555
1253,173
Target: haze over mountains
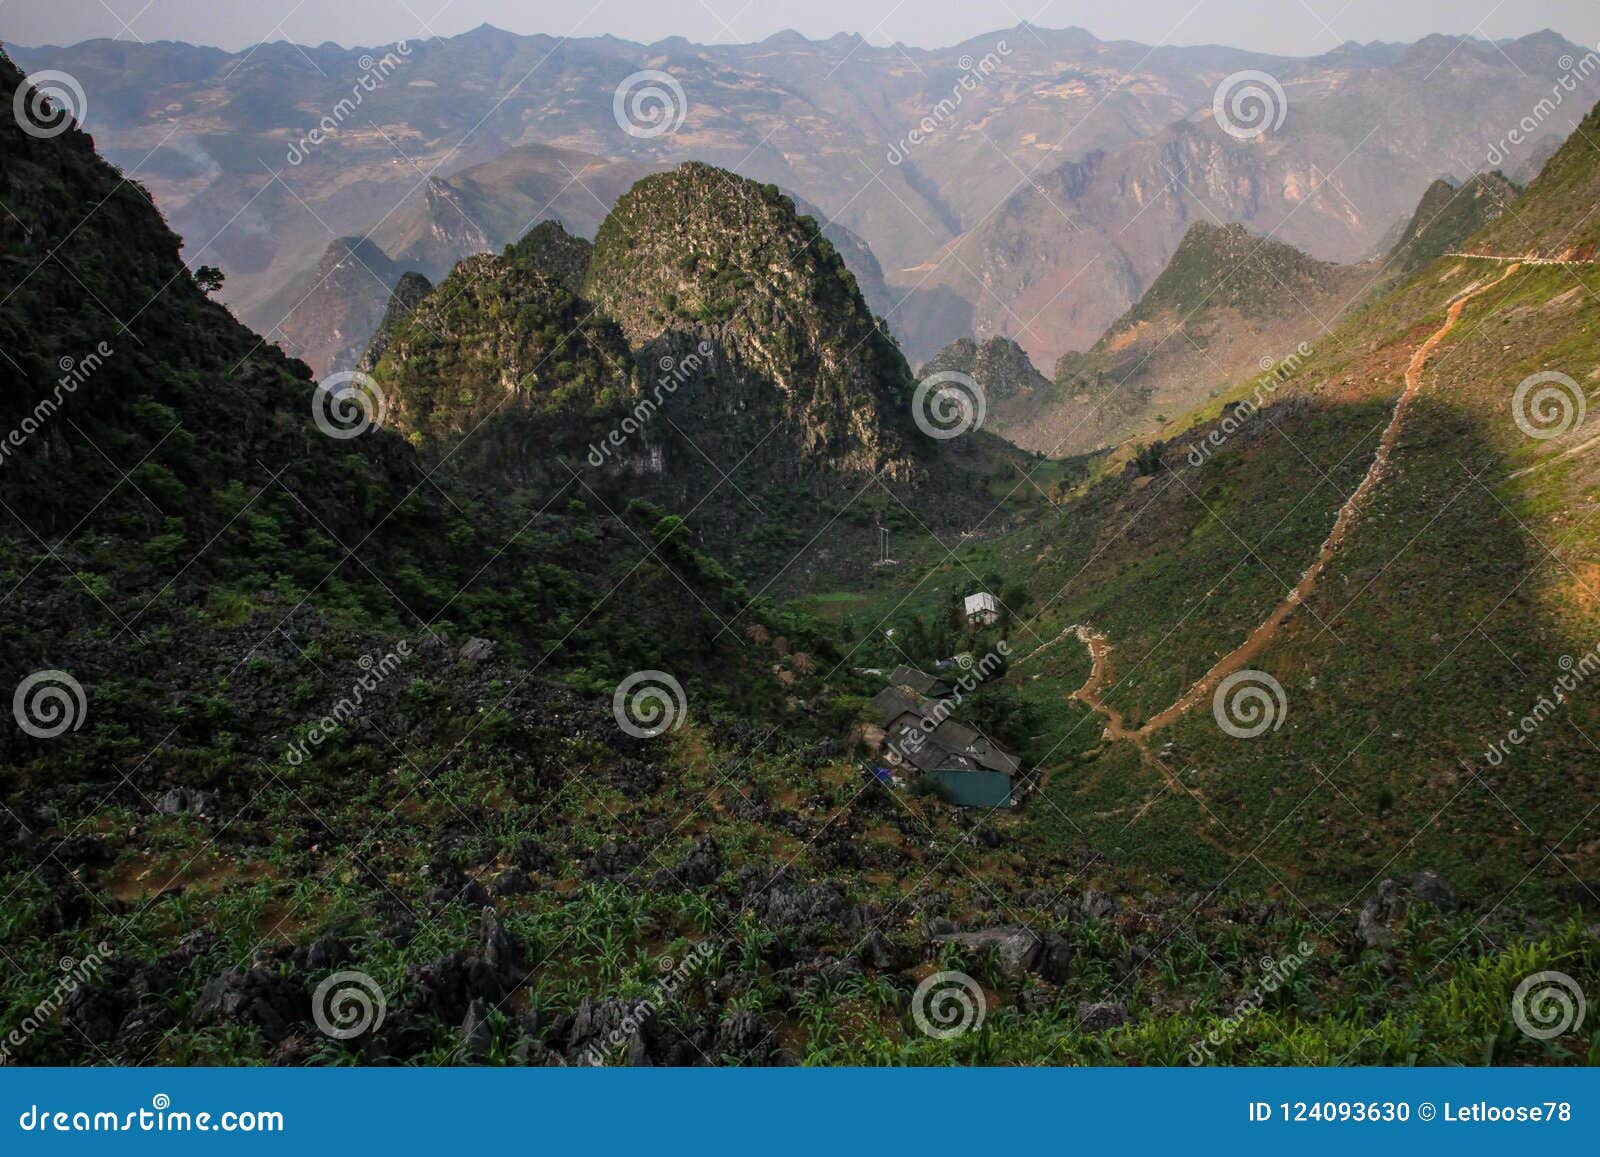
x,y
1285,620
1053,181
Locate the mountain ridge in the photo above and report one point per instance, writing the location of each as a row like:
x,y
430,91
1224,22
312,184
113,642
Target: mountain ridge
x,y
201,147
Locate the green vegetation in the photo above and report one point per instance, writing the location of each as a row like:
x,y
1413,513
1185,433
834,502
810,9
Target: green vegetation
x,y
1227,267
1544,222
1446,217
342,695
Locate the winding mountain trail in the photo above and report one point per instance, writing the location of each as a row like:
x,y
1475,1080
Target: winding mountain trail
x,y
1554,458
1091,693
1524,260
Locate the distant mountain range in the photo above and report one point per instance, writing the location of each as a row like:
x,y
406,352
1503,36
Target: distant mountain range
x,y
482,209
372,654
1028,182
1229,306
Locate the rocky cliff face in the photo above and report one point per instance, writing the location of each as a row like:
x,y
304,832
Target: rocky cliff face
x,y
1543,223
998,365
326,316
502,369
209,488
1226,267
446,226
1229,306
560,256
1447,216
815,117
720,363
701,259
408,294
1358,145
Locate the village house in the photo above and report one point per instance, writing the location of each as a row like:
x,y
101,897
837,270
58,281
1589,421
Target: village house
x,y
919,682
920,742
981,609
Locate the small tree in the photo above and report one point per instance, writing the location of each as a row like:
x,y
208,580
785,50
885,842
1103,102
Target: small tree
x,y
1148,458
209,278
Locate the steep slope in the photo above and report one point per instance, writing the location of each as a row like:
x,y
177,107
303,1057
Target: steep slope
x,y
408,294
722,364
793,345
1447,216
998,365
832,120
325,312
500,368
326,316
554,252
1528,168
485,206
1076,245
1543,223
284,791
1394,542
333,315
1014,390
1229,305
179,471
1227,268
858,258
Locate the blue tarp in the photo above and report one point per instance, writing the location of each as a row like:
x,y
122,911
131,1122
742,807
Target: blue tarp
x,y
974,788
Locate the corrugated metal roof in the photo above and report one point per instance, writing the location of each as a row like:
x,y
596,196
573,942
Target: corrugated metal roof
x,y
919,681
917,733
982,601
943,744
893,702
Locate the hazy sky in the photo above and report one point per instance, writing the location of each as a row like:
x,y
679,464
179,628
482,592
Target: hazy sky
x,y
1289,26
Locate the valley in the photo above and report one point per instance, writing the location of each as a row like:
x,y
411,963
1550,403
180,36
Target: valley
x,y
532,649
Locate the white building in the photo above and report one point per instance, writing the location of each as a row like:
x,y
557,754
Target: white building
x,y
981,609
